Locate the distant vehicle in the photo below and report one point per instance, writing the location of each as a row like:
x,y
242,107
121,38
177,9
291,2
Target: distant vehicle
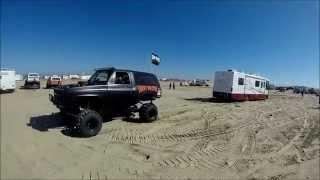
x,y
54,81
7,80
239,86
74,76
199,82
19,77
32,81
46,77
184,83
85,77
281,89
109,92
65,77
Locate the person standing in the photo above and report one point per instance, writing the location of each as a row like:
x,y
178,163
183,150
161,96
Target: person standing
x,y
170,85
173,86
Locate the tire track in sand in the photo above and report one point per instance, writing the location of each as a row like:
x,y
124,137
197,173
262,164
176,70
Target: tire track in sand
x,y
201,159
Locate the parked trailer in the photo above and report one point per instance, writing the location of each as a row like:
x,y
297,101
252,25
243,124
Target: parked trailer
x,y
7,80
239,86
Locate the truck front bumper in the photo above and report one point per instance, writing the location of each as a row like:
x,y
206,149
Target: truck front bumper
x,y
32,84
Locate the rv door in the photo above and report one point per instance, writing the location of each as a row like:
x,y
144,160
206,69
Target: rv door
x,y
241,85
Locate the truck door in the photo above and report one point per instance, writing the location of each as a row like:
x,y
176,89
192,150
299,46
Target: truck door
x,y
120,87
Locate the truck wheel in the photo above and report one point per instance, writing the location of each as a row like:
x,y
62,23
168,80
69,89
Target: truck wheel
x,y
90,123
148,112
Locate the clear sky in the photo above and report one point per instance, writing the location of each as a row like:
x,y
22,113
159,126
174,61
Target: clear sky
x,y
276,39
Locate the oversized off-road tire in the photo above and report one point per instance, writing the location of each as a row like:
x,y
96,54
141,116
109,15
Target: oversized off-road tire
x,y
148,112
89,123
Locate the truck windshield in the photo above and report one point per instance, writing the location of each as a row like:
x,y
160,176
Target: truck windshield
x,y
99,77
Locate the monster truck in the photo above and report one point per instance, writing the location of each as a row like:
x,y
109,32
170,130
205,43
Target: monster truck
x,y
109,92
32,81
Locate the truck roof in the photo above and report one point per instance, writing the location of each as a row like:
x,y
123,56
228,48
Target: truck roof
x,y
116,69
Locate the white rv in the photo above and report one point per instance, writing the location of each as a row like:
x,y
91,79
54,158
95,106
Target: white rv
x,y
7,80
239,86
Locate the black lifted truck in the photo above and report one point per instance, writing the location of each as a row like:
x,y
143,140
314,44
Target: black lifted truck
x,y
109,92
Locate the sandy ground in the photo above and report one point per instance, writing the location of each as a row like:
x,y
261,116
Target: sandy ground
x,y
193,139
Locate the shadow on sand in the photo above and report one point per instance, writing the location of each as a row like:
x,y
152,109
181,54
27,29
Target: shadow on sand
x,y
6,91
29,88
134,120
46,122
209,100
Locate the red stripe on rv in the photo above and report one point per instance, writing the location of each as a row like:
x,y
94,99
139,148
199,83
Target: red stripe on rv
x,y
248,97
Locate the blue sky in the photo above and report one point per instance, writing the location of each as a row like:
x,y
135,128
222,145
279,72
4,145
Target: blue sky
x,y
276,39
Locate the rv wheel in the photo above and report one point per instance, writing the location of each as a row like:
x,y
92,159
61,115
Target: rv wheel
x,y
89,122
148,112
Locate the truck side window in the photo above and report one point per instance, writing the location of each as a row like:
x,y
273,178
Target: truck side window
x,y
122,78
101,78
240,81
257,83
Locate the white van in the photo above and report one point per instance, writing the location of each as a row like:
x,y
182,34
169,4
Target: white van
x,y
32,81
239,86
7,80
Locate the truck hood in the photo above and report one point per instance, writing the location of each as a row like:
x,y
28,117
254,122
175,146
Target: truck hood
x,y
76,89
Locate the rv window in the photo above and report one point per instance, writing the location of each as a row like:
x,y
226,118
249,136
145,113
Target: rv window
x,y
257,83
240,81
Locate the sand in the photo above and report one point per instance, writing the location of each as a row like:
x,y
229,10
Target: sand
x,y
194,138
